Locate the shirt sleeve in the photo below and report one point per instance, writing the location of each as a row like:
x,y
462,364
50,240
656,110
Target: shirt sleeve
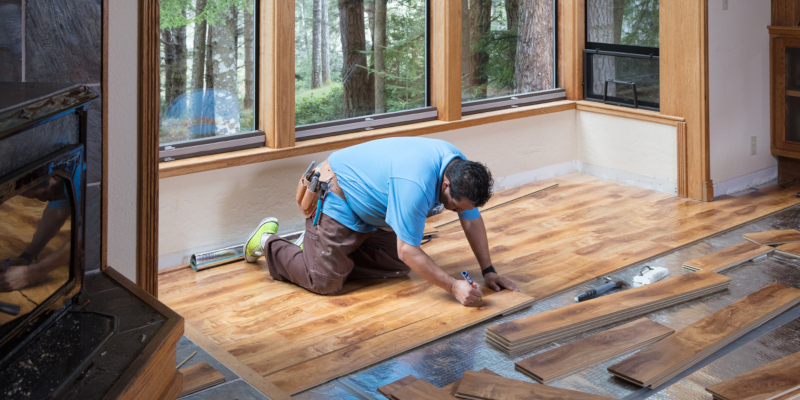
x,y
470,214
406,210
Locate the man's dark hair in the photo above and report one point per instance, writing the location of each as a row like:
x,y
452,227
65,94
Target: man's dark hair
x,y
471,180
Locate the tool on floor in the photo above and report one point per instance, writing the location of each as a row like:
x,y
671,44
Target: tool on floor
x,y
469,280
213,258
610,285
9,308
649,275
185,360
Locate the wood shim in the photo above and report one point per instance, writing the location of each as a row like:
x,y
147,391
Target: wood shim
x,y
662,361
771,381
774,237
789,249
529,332
728,257
602,346
198,377
477,386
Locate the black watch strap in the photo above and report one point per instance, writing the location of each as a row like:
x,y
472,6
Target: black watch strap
x,y
487,270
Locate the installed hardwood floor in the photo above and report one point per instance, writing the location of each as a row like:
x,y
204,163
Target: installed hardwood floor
x,y
547,243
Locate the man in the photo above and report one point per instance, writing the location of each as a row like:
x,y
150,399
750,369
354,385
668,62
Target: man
x,y
374,230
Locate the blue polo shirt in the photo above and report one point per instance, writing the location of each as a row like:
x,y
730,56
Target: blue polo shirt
x,y
391,182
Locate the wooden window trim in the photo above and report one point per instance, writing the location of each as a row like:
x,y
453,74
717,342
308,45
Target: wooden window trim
x,y
627,112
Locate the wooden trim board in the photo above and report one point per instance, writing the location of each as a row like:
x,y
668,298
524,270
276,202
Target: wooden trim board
x,y
446,54
477,386
774,237
529,332
770,381
568,359
275,92
660,362
789,249
728,257
198,377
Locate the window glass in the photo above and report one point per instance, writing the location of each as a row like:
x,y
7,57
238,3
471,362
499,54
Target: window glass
x,y
626,22
207,68
507,47
358,57
643,72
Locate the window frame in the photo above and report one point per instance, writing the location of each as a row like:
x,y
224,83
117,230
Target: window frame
x,y
614,50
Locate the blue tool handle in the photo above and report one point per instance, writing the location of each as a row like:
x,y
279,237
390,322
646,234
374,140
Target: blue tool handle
x,y
318,212
598,291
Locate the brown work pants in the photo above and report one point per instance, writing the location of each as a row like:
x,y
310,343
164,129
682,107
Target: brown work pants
x,y
331,254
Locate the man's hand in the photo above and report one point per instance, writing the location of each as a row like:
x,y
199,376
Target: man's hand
x,y
466,294
497,282
14,278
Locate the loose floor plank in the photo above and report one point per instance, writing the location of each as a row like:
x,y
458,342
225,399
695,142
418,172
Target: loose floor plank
x,y
774,237
770,381
567,359
421,390
660,362
477,386
728,257
198,377
388,389
789,249
451,388
527,333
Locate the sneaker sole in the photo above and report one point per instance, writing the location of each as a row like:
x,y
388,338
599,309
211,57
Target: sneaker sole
x,y
263,221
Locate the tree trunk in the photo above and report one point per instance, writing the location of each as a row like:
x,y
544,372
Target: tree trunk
x,y
602,26
199,53
480,16
326,57
512,23
380,44
358,95
224,69
316,45
210,58
174,40
466,54
533,67
249,60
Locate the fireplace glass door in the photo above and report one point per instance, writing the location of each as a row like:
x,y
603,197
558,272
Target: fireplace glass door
x,y
35,248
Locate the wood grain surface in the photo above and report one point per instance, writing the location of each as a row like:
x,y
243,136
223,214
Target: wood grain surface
x,y
789,249
547,243
528,332
728,257
421,389
774,237
479,386
572,357
658,363
769,381
198,377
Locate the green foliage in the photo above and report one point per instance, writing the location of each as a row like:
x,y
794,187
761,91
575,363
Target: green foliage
x,y
312,109
174,12
640,25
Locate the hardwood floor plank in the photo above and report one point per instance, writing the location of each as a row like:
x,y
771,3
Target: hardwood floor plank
x,y
658,363
420,390
728,257
573,357
770,381
774,237
451,388
486,387
789,249
198,377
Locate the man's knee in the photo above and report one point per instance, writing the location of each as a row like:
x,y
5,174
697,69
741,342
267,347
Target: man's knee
x,y
321,285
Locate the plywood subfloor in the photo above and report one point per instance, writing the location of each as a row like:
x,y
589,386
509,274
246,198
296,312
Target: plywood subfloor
x,y
554,240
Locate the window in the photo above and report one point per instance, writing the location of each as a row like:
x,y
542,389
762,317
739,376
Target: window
x,y
359,65
508,52
208,99
621,56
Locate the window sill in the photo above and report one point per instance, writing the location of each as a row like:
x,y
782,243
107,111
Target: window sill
x,y
627,112
187,166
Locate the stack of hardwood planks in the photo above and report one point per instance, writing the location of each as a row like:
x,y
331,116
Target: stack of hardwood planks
x,y
478,386
527,333
728,257
774,238
566,360
789,249
660,362
779,379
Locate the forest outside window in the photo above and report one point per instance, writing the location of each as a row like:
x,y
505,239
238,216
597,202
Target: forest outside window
x,y
360,65
508,53
208,80
621,56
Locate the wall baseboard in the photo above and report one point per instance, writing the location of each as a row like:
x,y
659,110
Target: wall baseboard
x,y
745,181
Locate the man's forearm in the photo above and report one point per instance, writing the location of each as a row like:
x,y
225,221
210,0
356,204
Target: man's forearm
x,y
475,230
424,266
52,221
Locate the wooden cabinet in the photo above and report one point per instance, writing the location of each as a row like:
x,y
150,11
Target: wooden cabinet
x,y
785,90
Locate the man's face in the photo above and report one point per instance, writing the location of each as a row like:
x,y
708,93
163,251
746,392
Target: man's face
x,y
450,203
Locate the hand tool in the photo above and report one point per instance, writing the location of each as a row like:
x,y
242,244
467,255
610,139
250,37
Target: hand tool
x,y
309,169
469,280
9,308
600,290
323,192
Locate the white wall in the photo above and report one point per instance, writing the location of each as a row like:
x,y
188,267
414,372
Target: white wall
x,y
122,85
629,151
738,59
